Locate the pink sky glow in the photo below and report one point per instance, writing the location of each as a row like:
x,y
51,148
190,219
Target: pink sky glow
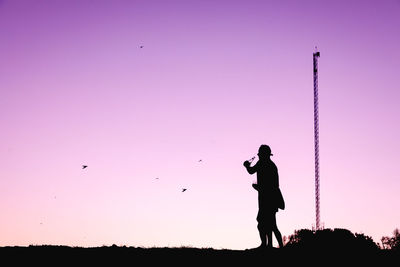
x,y
213,81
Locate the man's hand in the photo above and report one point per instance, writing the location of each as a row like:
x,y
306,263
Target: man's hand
x,y
246,163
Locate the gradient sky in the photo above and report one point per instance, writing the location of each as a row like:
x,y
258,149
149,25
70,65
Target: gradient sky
x,y
214,81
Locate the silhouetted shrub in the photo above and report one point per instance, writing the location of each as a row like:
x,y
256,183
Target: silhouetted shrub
x,y
392,242
328,239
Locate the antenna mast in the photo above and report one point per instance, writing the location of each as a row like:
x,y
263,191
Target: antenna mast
x,y
316,55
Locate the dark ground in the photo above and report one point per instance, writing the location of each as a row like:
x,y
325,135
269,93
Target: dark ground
x,y
128,256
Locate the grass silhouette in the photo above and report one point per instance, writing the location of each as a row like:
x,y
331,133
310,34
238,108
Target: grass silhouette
x,y
339,246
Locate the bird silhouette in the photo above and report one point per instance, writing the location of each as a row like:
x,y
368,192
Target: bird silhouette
x,y
200,160
141,46
84,166
157,178
183,190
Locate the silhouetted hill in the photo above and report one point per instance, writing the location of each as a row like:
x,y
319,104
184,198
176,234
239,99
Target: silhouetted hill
x,y
121,256
338,246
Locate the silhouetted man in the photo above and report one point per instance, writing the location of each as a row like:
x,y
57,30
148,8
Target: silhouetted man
x,y
269,195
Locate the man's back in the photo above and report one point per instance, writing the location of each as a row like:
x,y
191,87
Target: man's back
x,y
267,175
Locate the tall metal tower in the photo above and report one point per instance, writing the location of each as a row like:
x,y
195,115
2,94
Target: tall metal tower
x,y
316,55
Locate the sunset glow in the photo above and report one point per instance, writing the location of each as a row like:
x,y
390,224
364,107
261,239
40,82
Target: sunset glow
x,y
185,91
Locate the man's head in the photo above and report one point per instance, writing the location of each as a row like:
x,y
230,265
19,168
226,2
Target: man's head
x,y
264,151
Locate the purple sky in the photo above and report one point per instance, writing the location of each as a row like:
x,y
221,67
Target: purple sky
x,y
214,81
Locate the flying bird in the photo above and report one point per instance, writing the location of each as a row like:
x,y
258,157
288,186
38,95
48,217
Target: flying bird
x,y
84,166
141,46
183,190
157,178
200,160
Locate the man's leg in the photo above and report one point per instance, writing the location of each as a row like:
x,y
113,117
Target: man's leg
x,y
278,237
269,235
263,238
262,234
276,231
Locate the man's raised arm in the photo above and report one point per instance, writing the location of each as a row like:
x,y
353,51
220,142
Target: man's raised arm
x,y
250,169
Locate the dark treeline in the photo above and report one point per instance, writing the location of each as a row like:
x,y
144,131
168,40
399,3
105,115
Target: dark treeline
x,y
305,246
341,239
